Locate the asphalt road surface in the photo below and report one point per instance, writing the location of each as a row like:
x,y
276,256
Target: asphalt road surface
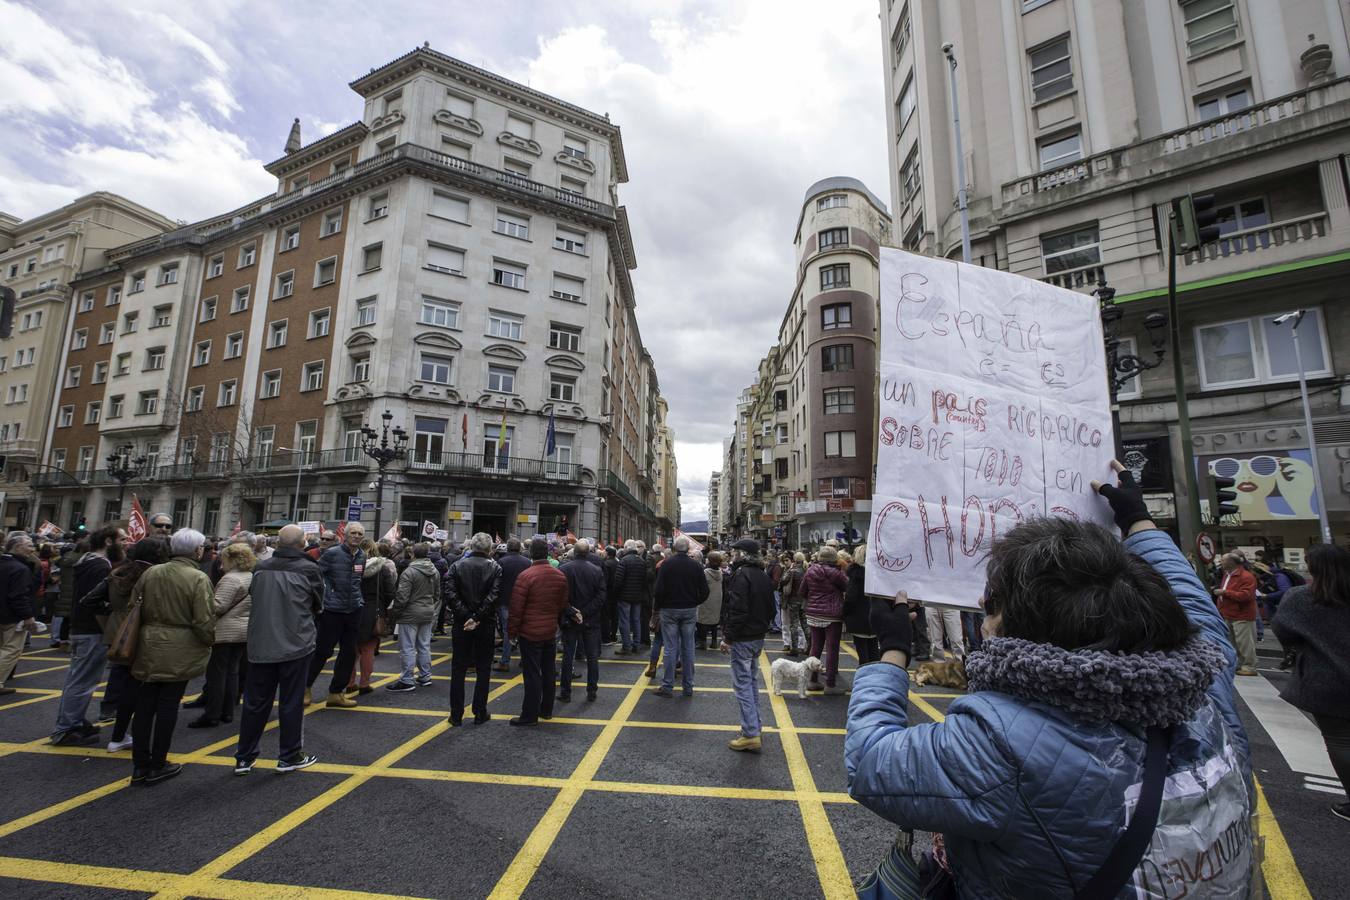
x,y
632,795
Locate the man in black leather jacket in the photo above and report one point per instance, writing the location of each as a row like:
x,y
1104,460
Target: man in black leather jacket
x,y
472,597
586,589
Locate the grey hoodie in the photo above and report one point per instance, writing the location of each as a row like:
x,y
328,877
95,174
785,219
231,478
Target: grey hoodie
x,y
419,588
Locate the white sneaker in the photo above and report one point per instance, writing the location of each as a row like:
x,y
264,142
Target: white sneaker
x,y
115,746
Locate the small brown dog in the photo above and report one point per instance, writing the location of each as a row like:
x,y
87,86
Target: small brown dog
x,y
951,674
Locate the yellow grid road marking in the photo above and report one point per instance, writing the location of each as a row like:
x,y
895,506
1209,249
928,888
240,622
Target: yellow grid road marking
x,y
829,858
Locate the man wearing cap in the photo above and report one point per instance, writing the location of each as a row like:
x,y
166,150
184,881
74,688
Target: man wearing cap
x,y
747,613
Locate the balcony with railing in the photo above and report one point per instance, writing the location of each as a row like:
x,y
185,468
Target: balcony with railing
x,y
465,464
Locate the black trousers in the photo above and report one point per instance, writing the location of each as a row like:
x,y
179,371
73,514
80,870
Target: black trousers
x,y
335,629
588,639
705,631
263,682
609,625
1336,735
647,621
152,726
222,681
125,688
538,666
471,648
868,651
923,646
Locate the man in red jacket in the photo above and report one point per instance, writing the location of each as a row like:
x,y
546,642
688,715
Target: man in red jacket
x,y
538,600
1236,596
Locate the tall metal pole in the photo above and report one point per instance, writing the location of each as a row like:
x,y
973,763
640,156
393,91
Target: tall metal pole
x,y
379,502
1312,438
299,473
1183,410
961,199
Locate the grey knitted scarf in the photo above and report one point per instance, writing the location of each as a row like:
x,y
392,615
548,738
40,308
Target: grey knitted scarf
x,y
1157,688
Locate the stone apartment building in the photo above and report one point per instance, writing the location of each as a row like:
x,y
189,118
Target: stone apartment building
x,y
803,451
457,257
38,259
1081,122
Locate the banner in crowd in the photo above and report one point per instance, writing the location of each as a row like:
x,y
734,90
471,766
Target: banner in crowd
x,y
994,409
137,525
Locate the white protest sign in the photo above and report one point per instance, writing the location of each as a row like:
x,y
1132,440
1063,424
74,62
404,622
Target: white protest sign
x,y
310,527
428,529
440,534
993,409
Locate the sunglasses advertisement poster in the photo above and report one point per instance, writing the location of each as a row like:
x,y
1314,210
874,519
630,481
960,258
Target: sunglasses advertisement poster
x,y
1271,485
993,409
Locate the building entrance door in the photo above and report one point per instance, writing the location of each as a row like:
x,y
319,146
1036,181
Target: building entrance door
x,y
494,517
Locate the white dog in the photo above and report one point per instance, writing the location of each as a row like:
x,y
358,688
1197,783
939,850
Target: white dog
x,y
788,671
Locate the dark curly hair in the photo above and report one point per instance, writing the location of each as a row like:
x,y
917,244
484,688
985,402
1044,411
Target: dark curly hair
x,y
1074,585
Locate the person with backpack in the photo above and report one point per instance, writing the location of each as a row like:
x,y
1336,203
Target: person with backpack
x,y
1273,581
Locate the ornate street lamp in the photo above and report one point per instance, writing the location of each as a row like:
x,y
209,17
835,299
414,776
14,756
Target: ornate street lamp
x,y
123,468
1121,367
378,446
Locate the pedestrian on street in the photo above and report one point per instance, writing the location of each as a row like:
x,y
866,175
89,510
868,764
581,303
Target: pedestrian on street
x,y
944,623
610,626
65,601
1313,623
1106,672
287,594
710,610
823,587
177,630
581,623
747,613
796,636
341,566
88,656
416,600
513,562
145,553
680,588
630,586
1236,596
18,602
858,609
231,608
475,579
378,584
538,600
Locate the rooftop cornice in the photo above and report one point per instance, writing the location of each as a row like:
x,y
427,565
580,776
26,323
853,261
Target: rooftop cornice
x,y
351,134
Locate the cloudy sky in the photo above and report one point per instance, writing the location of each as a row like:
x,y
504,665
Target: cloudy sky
x,y
729,111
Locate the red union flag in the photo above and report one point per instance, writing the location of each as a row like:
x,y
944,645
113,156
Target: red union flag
x,y
341,532
137,526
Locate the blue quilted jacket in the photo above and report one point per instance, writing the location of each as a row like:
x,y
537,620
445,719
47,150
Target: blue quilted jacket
x,y
1030,800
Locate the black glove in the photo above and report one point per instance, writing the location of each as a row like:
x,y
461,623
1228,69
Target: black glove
x,y
1127,501
890,623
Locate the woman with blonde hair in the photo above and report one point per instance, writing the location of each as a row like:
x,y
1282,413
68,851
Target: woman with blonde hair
x,y
231,607
858,609
379,582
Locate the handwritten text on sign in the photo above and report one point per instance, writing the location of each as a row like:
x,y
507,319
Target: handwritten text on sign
x,y
993,410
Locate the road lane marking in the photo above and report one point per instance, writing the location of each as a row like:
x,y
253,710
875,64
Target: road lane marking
x,y
1298,740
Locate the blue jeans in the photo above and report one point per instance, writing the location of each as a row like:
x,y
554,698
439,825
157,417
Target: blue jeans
x,y
630,625
777,612
744,661
88,657
658,644
503,614
677,633
414,645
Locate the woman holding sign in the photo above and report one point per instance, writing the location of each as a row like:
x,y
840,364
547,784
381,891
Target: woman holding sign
x,y
1100,743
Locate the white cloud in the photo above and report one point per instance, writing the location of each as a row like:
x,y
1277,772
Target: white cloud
x,y
697,463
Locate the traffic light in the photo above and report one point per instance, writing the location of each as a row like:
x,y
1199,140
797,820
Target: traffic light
x,y
1194,222
1222,497
7,301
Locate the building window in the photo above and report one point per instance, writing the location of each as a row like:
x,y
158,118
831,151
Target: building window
x,y
508,274
80,339
73,376
147,404
86,301
836,358
311,378
840,444
106,332
154,359
1223,104
501,379
1051,69
332,223
569,241
361,367
836,276
114,295
456,149
440,313
836,315
201,356
239,300
838,401
66,417
325,271
215,266
832,201
365,311
208,312
496,451
123,364
1210,24
574,147
290,238
448,206
562,388
436,369
100,373
1070,250
1130,389
459,105
1058,151
564,337
271,384
276,333
299,182
573,186
780,433
833,237
904,107
234,345
441,258
227,393
565,287
285,285
131,322
168,274
900,37
503,325
264,444
515,167
512,225
378,205
371,256
1255,351
319,321
137,283
195,395
248,255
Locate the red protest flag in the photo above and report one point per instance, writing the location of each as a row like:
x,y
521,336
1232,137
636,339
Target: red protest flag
x,y
341,531
137,526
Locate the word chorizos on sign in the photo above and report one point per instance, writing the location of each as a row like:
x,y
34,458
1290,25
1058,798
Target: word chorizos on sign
x,y
993,410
